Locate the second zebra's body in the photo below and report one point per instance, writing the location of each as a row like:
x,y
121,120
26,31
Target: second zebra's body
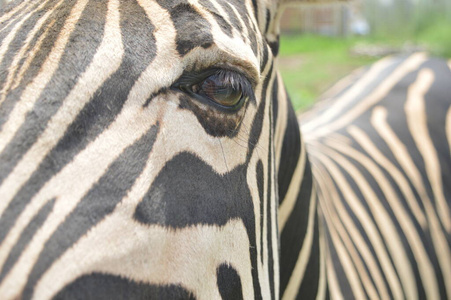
x,y
379,144
148,150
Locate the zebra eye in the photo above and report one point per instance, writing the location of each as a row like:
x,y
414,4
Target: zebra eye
x,y
220,89
227,89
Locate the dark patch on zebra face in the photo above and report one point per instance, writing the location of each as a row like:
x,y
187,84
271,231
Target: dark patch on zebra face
x,y
99,202
192,29
229,283
187,191
102,286
215,123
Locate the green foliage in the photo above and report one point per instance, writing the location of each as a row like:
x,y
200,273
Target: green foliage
x,y
435,32
311,64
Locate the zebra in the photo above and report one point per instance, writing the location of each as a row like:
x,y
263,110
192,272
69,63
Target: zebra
x,y
145,148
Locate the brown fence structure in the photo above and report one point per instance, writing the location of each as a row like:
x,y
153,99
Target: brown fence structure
x,y
327,19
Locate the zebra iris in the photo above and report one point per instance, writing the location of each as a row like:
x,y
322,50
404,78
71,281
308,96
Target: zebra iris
x,y
220,92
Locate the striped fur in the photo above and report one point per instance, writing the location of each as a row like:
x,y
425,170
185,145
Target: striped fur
x,y
379,144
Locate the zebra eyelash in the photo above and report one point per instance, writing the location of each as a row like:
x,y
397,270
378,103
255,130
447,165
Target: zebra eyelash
x,y
234,79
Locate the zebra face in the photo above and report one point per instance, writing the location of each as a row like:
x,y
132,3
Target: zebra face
x,y
137,150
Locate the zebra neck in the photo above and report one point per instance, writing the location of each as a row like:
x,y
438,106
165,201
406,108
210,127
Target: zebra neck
x,y
302,268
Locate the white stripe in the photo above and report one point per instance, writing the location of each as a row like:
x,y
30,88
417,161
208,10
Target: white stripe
x,y
384,224
448,128
5,43
417,122
322,284
281,122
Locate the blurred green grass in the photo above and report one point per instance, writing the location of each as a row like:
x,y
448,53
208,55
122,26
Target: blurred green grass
x,y
310,64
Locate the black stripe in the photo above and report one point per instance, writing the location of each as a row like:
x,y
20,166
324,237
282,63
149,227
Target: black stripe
x,y
264,59
291,149
98,203
310,281
180,195
357,223
260,185
267,20
255,5
229,283
192,30
257,124
274,45
102,286
275,102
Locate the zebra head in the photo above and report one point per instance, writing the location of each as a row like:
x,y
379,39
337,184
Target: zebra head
x,y
140,149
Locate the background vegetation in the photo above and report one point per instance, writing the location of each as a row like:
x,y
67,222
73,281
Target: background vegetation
x,y
312,63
